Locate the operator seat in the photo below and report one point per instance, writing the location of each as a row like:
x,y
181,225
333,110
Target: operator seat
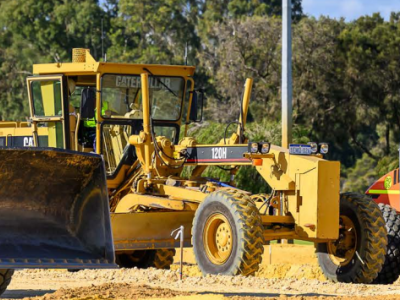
x,y
88,103
87,132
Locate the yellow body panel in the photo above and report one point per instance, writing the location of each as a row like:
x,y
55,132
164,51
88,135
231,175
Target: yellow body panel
x,y
311,188
128,203
111,68
317,191
132,231
20,129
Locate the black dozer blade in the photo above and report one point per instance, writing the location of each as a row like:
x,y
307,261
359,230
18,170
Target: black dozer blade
x,y
54,210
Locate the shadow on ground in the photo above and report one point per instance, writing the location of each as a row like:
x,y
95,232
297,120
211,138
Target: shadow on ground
x,y
20,294
266,295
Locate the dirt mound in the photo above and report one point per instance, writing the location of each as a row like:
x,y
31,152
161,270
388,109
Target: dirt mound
x,y
285,261
291,271
268,271
280,254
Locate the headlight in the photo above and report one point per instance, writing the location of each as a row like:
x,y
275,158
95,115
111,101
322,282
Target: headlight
x,y
323,148
314,147
264,147
253,147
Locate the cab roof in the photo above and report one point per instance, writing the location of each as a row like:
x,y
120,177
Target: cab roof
x,y
87,65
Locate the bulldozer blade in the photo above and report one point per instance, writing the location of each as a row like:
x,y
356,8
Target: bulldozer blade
x,y
54,210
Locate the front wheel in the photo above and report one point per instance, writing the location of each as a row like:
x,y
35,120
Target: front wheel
x,y
5,279
227,234
359,253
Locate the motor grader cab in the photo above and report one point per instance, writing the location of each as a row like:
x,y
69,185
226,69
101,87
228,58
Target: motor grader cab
x,y
140,115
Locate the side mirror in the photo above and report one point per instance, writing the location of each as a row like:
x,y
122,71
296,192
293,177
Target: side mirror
x,y
196,110
88,103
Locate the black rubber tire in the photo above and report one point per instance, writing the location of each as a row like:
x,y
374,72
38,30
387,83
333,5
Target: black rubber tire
x,y
5,279
371,242
143,259
247,232
391,268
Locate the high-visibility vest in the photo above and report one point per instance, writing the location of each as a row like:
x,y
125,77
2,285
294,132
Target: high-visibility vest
x,y
92,122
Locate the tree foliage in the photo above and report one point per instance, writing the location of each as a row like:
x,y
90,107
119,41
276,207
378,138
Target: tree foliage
x,y
41,31
346,78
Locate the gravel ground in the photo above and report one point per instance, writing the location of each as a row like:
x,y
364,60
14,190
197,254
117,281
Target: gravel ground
x,y
280,280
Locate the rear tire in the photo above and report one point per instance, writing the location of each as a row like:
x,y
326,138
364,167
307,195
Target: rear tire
x,y
391,268
143,259
359,253
227,234
5,279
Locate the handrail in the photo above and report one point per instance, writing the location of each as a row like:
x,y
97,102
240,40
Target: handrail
x,y
5,124
78,119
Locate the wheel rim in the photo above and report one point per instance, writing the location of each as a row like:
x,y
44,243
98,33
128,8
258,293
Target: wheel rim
x,y
342,251
217,239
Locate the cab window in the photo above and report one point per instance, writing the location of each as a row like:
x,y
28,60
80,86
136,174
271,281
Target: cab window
x,y
122,97
46,96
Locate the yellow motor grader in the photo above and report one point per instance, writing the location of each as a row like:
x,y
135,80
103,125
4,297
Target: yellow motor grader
x,y
136,116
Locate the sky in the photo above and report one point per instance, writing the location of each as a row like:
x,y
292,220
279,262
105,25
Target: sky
x,y
349,9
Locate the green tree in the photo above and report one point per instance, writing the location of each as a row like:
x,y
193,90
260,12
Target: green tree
x,y
41,31
154,31
217,11
248,48
320,101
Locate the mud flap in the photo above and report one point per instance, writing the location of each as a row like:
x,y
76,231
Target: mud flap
x,y
54,210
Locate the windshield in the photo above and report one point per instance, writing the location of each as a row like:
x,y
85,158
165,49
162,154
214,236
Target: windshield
x,y
122,98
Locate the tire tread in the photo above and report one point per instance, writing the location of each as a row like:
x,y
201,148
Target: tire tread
x,y
391,268
375,240
163,259
250,230
5,279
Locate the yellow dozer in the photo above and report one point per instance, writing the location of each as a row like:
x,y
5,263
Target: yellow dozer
x,y
136,116
54,210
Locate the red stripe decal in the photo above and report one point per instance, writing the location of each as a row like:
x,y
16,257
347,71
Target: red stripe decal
x,y
217,160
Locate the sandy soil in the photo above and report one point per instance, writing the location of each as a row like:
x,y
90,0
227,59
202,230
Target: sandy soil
x,y
292,273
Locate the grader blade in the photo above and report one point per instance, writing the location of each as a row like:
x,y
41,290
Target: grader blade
x,y
53,210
